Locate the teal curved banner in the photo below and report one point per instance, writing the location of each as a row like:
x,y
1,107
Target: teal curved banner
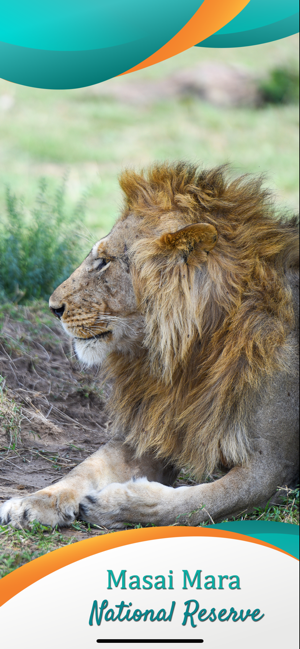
x,y
261,21
72,25
64,70
282,535
69,44
64,44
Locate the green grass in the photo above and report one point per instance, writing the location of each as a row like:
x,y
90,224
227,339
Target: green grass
x,y
39,248
281,86
17,547
48,133
285,512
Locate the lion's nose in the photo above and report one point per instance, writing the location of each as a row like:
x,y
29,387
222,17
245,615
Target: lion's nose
x,y
58,312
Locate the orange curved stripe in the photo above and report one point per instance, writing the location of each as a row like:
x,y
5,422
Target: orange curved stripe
x,y
208,19
23,577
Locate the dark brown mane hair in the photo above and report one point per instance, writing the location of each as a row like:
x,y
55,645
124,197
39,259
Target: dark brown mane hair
x,y
217,325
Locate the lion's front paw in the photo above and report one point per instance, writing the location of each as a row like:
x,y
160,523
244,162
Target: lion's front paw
x,y
43,506
136,501
103,509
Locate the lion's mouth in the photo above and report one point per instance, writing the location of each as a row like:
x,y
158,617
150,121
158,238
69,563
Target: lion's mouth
x,y
102,335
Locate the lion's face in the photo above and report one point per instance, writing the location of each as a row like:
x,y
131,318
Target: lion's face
x,y
97,304
121,296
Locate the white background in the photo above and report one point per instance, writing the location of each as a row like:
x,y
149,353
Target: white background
x,y
54,612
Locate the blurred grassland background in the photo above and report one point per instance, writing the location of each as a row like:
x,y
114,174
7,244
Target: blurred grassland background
x,y
90,137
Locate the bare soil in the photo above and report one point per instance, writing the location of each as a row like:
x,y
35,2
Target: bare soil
x,y
52,416
51,410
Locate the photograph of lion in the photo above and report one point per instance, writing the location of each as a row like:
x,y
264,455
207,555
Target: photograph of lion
x,y
189,304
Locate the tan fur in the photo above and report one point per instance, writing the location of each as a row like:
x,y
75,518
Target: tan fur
x,y
216,326
188,305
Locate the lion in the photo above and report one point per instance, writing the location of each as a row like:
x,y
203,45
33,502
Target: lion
x,y
189,305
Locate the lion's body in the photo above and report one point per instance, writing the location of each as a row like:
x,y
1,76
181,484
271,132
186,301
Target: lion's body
x,y
189,303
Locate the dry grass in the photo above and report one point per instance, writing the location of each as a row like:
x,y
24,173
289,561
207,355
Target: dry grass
x,y
51,413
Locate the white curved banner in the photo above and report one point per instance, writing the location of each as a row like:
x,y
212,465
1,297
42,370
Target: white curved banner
x,y
215,592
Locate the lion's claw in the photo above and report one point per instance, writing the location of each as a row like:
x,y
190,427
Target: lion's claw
x,y
44,507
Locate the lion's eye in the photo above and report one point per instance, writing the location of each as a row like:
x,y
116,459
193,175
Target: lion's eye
x,y
102,263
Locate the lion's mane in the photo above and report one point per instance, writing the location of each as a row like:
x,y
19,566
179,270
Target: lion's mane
x,y
217,325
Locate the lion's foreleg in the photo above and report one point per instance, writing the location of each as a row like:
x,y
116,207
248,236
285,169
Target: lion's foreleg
x,y
145,502
272,464
241,489
59,504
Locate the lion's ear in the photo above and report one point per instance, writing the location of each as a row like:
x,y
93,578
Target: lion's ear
x,y
201,236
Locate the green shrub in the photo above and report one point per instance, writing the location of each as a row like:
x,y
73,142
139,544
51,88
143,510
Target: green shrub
x,y
280,87
39,248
